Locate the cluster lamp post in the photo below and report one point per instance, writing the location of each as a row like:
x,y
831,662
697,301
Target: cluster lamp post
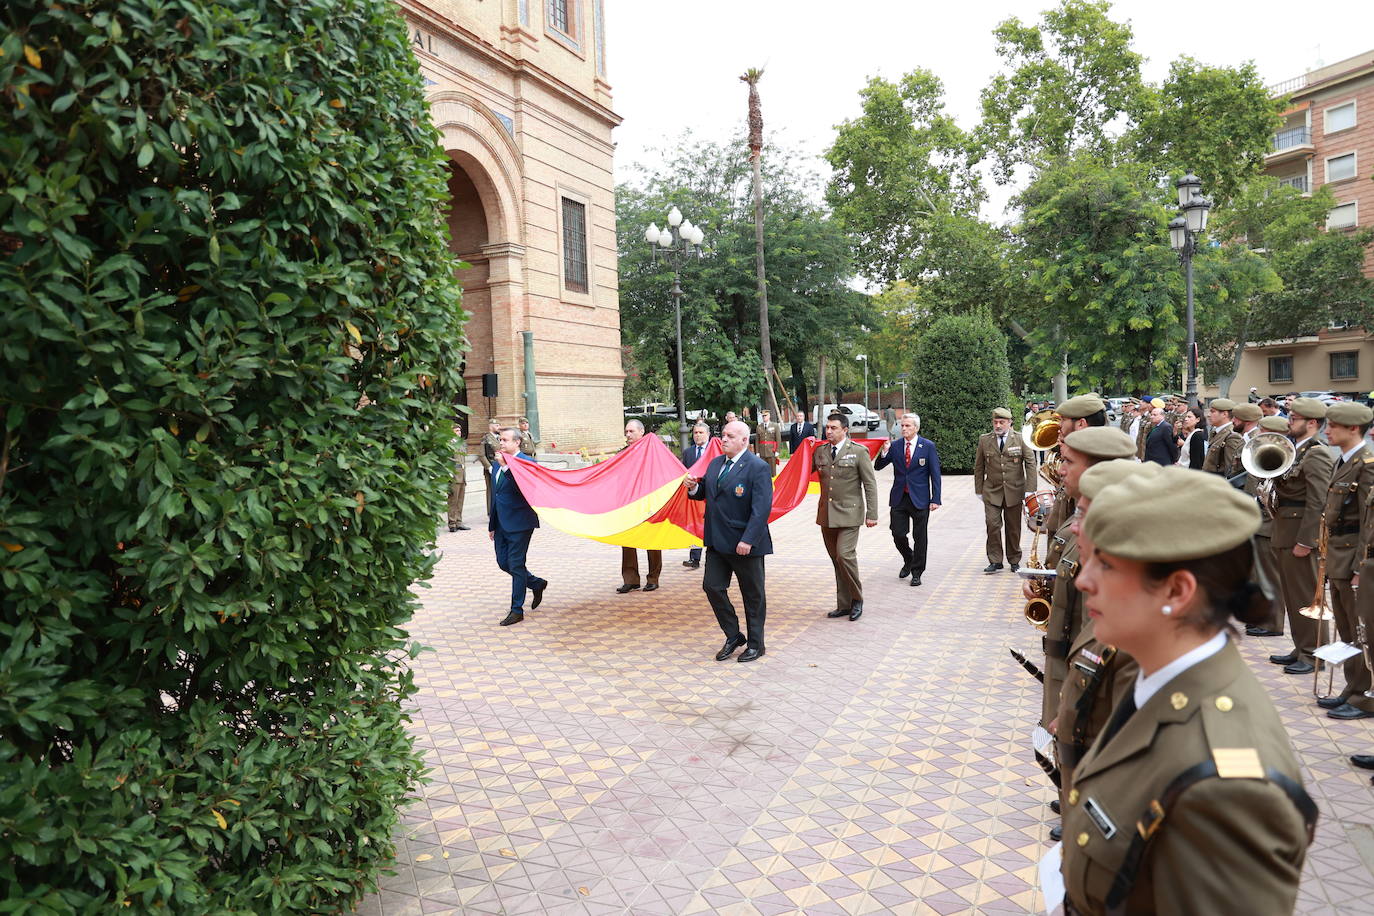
x,y
1184,231
676,250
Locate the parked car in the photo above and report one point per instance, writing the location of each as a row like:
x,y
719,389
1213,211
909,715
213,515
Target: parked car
x,y
1326,397
861,419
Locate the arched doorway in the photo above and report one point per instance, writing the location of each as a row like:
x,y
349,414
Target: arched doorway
x,y
467,226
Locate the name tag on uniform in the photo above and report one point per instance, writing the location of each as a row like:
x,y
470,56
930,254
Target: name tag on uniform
x,y
1013,453
1099,817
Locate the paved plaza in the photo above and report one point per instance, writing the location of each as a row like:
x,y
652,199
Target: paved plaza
x,y
596,759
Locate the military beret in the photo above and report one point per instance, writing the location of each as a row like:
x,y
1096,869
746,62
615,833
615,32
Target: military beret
x,y
1348,413
1174,514
1001,413
1222,404
1085,405
1248,413
1274,424
492,421
1105,473
523,420
1307,408
1101,442
1156,402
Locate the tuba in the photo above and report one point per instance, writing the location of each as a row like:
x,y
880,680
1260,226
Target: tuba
x,y
1266,457
1044,438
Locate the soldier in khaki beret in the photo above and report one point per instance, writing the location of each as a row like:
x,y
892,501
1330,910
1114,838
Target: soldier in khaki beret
x,y
1003,470
528,444
1300,497
1352,481
491,444
1082,412
1190,800
1225,442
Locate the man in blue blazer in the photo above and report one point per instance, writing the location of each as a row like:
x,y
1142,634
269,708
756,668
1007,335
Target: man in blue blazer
x,y
701,434
915,492
739,495
511,526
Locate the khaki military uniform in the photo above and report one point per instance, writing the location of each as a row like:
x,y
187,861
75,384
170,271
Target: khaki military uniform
x,y
528,445
458,488
1099,677
1232,841
1000,477
849,497
1141,435
1125,422
1364,596
1223,451
1066,610
1301,497
491,444
1351,484
1268,558
769,439
1059,514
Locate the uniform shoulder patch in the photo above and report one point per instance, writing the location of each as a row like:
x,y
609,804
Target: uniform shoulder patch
x,y
1369,460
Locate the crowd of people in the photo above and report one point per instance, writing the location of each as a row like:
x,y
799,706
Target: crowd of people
x,y
1178,787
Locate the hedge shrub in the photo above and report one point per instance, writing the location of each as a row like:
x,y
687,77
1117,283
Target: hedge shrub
x,y
959,375
228,340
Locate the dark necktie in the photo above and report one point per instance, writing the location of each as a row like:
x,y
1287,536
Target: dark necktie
x,y
834,450
1001,442
724,469
1123,712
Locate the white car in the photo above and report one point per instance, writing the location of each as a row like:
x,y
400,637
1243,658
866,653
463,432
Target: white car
x,y
861,419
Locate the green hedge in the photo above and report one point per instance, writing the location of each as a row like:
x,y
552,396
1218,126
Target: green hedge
x,y
959,375
228,341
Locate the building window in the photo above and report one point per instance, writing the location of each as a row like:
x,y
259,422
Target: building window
x,y
1341,117
560,16
1339,168
1280,368
574,246
1344,216
1345,365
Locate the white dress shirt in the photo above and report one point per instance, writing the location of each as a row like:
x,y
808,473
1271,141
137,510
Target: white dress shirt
x,y
1146,687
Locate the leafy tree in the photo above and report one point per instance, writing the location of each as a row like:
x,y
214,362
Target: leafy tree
x,y
1070,84
958,375
229,342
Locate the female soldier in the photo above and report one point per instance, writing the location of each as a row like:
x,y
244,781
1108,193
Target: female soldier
x,y
1190,801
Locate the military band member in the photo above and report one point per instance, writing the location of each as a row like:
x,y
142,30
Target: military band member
x,y
1082,412
458,486
528,444
1300,495
1364,608
1223,443
1351,483
1003,469
1080,450
1128,411
1268,558
1191,799
491,444
768,436
848,499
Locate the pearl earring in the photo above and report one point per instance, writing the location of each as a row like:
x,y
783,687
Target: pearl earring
x,y
1167,610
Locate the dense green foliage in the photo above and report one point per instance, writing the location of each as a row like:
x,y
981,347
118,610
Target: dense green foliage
x,y
959,375
228,343
810,305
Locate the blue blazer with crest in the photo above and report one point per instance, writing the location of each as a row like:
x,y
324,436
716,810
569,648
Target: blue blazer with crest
x,y
509,509
921,479
737,505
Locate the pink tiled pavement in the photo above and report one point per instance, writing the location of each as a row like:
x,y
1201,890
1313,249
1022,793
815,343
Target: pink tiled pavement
x,y
596,759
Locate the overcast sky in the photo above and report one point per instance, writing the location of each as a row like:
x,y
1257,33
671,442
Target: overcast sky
x,y
675,66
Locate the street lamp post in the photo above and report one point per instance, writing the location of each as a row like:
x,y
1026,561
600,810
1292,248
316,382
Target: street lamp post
x,y
864,357
1184,232
675,250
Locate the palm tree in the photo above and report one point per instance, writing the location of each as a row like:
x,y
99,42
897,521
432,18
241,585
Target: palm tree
x,y
752,77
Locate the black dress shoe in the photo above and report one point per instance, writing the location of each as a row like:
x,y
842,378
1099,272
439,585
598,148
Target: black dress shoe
x,y
652,586
1057,832
906,571
856,611
729,648
1363,761
1299,667
1346,711
538,594
1054,805
748,655
620,590
838,612
992,567
511,618
452,528
691,564
915,580
462,527
1331,702
1015,567
1288,659
1253,630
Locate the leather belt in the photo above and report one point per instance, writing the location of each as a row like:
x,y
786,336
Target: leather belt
x,y
1350,528
1292,503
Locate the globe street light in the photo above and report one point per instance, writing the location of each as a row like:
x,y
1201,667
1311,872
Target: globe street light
x,y
1184,231
665,246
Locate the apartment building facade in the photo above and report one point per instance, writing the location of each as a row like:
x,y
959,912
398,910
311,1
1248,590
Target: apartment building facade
x,y
519,90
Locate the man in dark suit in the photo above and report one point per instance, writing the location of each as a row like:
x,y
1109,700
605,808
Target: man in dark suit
x,y
739,495
915,492
511,526
799,430
701,434
1161,446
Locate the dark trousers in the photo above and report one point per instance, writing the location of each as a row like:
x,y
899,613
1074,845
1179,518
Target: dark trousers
x,y
715,582
1357,678
629,566
511,548
907,518
694,555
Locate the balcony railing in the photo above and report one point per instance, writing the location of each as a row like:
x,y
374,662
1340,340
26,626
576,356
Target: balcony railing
x,y
1293,136
1288,86
1295,181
